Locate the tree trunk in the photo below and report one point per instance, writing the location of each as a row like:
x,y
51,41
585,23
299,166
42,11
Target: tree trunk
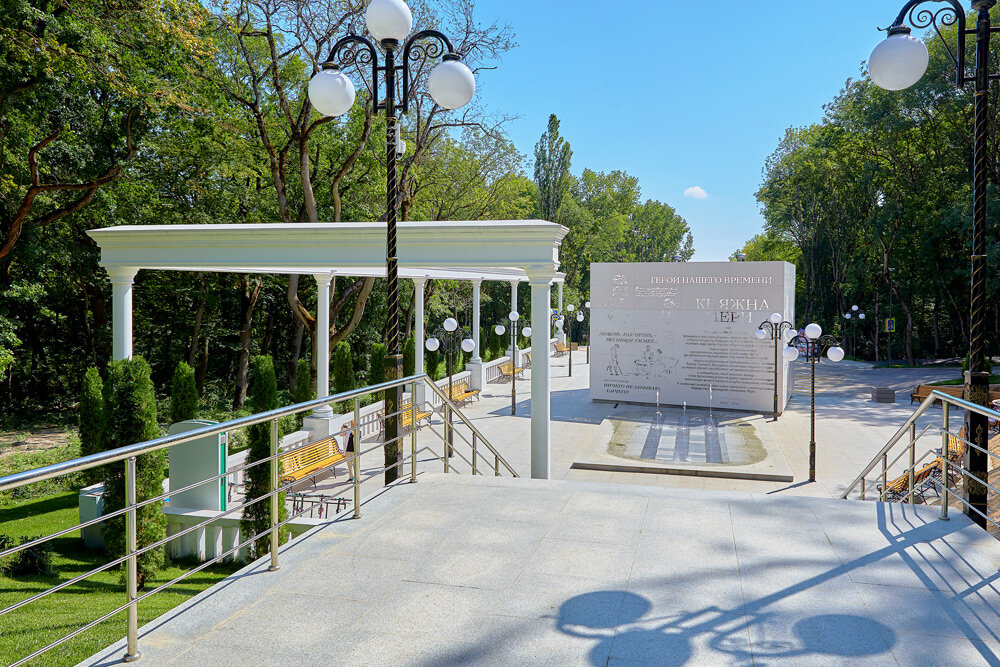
x,y
202,368
195,332
248,299
293,362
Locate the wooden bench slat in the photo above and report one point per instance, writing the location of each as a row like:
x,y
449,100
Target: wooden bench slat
x,y
300,462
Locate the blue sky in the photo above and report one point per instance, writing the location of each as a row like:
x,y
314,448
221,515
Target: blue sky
x,y
680,94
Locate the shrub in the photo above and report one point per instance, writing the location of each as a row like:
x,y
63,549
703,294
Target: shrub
x,y
376,364
409,357
987,365
33,560
130,417
257,480
432,360
183,394
343,372
303,388
91,420
494,345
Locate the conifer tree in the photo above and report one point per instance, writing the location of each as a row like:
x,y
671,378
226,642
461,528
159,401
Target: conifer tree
x,y
91,420
183,394
376,364
303,390
257,517
130,417
409,356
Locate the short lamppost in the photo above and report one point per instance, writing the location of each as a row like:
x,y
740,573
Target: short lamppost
x,y
513,317
587,306
897,63
814,343
451,85
853,316
568,320
775,326
449,338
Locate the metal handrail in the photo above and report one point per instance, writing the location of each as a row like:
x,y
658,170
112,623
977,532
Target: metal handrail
x,y
921,409
130,452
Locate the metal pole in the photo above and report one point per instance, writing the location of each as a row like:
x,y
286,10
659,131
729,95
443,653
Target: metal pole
x,y
394,367
569,342
496,465
357,457
447,412
885,464
513,368
132,642
813,347
274,497
473,452
451,397
913,458
977,379
775,336
413,434
944,462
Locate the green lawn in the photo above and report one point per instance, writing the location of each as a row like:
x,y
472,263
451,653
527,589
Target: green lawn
x,y
27,629
994,379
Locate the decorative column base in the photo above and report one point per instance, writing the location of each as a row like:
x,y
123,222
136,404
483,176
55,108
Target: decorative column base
x,y
324,426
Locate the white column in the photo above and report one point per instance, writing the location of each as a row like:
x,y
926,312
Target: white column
x,y
476,284
418,337
540,399
322,350
121,310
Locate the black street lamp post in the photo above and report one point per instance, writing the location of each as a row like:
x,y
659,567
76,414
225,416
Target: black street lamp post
x,y
500,329
853,316
815,343
451,85
450,338
897,63
775,326
567,320
587,306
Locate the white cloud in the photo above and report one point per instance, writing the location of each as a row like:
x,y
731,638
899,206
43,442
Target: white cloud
x,y
696,192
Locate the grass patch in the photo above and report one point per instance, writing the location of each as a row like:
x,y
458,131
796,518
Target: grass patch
x,y
994,379
21,461
28,629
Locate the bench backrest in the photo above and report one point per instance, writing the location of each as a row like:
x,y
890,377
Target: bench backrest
x,y
506,368
303,457
459,388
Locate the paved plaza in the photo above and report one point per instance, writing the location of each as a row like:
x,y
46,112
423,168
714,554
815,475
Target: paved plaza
x,y
484,571
616,568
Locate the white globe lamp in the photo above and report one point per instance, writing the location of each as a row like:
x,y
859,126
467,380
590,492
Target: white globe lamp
x,y
861,316
570,308
432,344
847,316
790,354
513,316
468,345
813,331
579,317
854,308
760,334
587,304
450,324
499,329
898,61
775,318
451,83
388,19
331,92
526,332
835,353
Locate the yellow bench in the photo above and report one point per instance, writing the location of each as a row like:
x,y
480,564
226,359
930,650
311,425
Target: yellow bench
x,y
507,370
923,478
406,417
460,392
303,462
560,350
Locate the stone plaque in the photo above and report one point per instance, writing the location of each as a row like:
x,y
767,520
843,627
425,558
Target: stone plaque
x,y
683,332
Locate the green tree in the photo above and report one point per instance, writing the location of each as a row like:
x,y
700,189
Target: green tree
x,y
432,362
303,388
376,364
130,417
91,422
343,368
257,517
553,157
409,356
184,394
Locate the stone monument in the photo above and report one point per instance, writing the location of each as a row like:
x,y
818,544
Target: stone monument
x,y
682,333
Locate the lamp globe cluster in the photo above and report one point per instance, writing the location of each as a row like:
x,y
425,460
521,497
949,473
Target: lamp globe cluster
x,y
451,83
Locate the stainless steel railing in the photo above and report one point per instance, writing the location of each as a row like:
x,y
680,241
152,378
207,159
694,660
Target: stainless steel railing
x,y
943,459
129,454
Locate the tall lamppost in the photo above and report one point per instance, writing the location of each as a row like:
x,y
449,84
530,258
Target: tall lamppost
x,y
815,343
451,85
776,326
587,306
898,63
450,339
567,320
513,317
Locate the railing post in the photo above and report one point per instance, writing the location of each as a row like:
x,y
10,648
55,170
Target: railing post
x,y
885,464
863,488
357,457
132,564
913,457
473,452
413,434
496,464
275,497
944,462
447,435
